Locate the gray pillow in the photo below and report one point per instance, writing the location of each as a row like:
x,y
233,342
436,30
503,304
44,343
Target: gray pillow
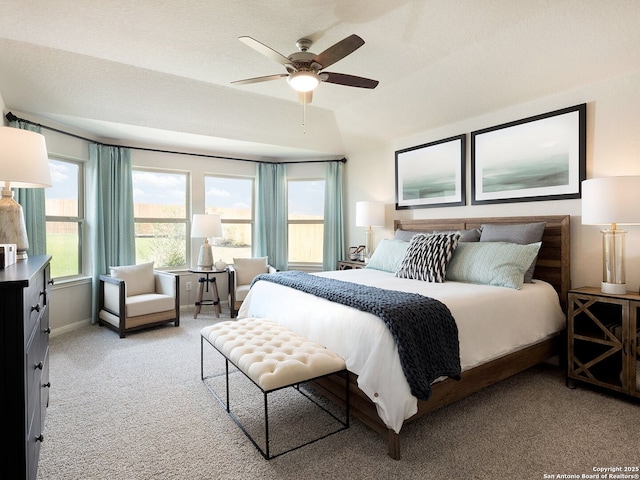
x,y
521,233
471,235
405,235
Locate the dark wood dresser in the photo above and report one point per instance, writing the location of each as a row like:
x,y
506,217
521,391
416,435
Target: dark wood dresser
x,y
24,336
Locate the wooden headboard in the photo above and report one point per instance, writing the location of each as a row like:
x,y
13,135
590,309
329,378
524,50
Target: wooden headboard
x,y
553,259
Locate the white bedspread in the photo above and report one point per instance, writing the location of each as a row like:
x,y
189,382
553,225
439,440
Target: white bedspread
x,y
492,321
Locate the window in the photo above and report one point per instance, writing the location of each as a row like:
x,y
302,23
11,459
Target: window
x,y
64,209
232,199
160,211
305,220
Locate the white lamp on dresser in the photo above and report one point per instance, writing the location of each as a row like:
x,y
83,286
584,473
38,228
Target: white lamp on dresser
x,y
24,163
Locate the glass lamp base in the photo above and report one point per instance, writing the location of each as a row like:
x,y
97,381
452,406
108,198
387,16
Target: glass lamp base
x,y
613,288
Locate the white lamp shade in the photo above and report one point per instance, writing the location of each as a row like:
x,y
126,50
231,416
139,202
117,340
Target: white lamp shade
x,y
206,226
609,200
369,214
24,161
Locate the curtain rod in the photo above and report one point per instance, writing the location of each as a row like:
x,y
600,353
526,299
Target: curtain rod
x,y
12,118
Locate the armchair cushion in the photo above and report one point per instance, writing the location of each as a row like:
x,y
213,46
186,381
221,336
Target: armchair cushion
x,y
248,268
148,303
139,279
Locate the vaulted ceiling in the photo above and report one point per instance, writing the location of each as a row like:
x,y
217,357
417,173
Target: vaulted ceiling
x,y
160,72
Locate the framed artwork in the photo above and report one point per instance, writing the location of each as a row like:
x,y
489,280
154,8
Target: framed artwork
x,y
536,158
431,175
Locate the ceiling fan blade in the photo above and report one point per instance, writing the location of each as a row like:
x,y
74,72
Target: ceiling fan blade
x,y
267,51
305,97
350,80
338,51
260,79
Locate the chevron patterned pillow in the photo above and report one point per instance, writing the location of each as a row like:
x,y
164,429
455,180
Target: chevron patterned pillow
x,y
427,256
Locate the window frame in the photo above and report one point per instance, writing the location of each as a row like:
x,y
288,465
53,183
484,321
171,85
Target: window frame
x,y
186,221
235,221
80,219
305,265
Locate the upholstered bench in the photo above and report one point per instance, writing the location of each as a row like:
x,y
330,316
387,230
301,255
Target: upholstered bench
x,y
273,358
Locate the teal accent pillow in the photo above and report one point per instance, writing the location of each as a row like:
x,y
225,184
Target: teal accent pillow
x,y
500,264
388,255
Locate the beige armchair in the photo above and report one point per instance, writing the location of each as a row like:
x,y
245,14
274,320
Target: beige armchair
x,y
137,296
241,274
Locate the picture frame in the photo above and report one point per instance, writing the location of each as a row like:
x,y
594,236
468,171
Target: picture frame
x,y
537,158
432,174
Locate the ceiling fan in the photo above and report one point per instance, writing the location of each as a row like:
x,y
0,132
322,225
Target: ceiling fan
x,y
306,69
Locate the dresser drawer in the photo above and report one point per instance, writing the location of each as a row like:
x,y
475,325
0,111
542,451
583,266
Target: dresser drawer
x,y
35,299
34,366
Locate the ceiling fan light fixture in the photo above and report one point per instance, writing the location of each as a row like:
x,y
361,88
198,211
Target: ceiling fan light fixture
x,y
303,81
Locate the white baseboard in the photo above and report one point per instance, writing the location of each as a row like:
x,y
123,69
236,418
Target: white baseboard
x,y
68,328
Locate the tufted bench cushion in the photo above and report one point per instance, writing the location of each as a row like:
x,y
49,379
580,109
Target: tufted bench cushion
x,y
269,354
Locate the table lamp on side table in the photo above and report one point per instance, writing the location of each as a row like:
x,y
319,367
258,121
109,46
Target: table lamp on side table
x,y
612,201
206,226
369,214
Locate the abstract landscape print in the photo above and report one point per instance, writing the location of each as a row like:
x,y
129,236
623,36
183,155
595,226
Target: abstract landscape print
x,y
537,158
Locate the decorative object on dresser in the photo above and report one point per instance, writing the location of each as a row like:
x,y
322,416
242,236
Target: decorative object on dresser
x,y
611,201
24,336
603,336
24,163
369,214
7,255
206,226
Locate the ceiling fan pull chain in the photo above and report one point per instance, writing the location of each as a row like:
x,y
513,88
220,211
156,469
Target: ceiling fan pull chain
x,y
304,118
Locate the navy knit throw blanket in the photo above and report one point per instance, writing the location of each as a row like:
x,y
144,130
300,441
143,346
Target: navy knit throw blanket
x,y
423,327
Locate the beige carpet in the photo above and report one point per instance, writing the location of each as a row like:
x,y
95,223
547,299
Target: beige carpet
x,y
135,408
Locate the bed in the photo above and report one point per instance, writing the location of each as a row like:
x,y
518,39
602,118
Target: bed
x,y
381,397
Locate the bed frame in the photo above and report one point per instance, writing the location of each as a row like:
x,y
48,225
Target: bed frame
x,y
552,266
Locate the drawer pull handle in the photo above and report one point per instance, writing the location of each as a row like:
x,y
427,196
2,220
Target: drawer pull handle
x,y
40,438
36,307
47,385
40,366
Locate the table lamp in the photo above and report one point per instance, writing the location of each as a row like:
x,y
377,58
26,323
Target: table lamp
x,y
612,201
206,226
369,214
24,163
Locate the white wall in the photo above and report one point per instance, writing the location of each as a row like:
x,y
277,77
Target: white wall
x,y
613,148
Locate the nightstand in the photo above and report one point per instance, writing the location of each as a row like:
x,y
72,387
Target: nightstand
x,y
603,336
350,264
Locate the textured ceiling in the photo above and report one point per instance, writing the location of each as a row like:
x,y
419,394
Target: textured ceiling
x,y
160,73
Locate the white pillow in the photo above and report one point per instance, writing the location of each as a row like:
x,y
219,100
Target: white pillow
x,y
388,255
138,279
248,268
